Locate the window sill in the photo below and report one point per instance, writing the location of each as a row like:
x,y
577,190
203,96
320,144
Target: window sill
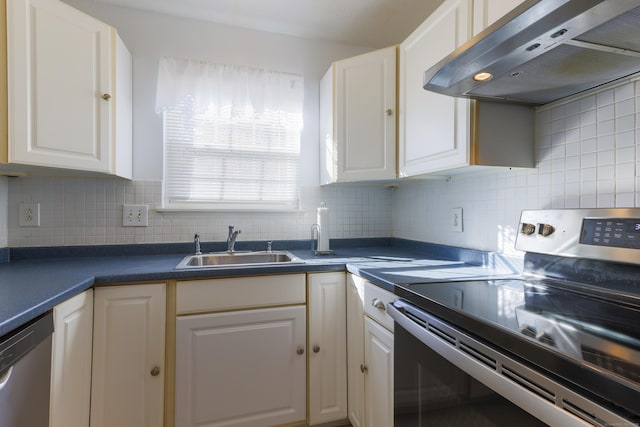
x,y
240,210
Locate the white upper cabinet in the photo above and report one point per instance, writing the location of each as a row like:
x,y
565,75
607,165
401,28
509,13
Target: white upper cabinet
x,y
358,118
69,86
440,134
433,127
486,12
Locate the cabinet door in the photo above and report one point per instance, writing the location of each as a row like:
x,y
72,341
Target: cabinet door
x,y
128,356
355,349
243,368
366,116
433,128
327,347
59,66
358,118
71,362
3,87
378,353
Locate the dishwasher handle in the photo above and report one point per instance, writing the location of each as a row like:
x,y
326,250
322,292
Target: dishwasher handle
x,y
18,343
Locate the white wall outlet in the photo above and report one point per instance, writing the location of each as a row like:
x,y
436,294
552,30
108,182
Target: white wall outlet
x,y
29,215
455,220
135,215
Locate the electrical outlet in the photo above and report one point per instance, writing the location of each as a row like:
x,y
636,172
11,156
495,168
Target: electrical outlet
x,y
135,215
455,220
29,215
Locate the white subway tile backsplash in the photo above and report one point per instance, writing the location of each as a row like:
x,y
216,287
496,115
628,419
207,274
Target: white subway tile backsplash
x,y
87,211
586,157
605,97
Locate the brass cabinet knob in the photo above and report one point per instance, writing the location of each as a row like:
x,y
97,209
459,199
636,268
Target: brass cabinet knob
x,y
106,96
389,111
379,304
155,371
300,350
316,348
363,368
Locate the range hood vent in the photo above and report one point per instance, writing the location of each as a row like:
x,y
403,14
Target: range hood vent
x,y
545,50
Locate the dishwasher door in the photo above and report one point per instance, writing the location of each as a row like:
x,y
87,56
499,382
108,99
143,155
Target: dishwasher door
x,y
25,374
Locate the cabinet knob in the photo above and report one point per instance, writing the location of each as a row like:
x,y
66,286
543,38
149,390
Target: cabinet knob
x,y
106,96
389,111
300,350
155,371
379,304
316,348
363,368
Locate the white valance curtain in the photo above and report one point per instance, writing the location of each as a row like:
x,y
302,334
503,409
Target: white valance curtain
x,y
234,88
231,135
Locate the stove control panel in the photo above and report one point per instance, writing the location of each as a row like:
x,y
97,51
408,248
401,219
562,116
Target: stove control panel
x,y
613,232
608,234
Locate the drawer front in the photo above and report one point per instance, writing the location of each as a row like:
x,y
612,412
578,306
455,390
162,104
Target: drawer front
x,y
375,301
237,293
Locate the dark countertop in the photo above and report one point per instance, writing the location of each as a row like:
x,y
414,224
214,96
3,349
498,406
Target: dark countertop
x,y
30,287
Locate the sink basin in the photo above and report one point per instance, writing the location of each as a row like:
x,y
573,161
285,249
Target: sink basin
x,y
226,259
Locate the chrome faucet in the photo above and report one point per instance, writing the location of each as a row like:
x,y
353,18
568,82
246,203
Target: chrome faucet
x,y
231,239
196,242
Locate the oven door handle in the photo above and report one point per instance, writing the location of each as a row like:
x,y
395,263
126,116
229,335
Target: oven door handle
x,y
518,383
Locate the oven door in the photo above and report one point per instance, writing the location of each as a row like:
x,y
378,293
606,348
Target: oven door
x,y
444,377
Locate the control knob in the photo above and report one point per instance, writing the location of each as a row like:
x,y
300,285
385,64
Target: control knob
x,y
545,229
527,228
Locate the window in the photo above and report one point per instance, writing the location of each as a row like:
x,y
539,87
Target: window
x,y
231,135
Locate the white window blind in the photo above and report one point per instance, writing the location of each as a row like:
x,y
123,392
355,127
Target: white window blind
x,y
231,134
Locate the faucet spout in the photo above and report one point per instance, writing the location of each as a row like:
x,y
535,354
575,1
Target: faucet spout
x,y
231,239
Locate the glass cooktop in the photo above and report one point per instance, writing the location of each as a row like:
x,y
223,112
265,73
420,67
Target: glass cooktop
x,y
596,330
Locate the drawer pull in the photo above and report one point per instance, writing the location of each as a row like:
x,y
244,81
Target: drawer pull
x,y
155,371
300,350
379,304
363,368
316,348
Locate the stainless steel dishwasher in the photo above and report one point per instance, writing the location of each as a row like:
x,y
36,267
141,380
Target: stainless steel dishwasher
x,y
25,374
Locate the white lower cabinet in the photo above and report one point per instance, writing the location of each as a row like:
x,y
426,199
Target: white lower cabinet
x,y
370,354
71,362
128,356
244,368
241,348
327,347
355,349
378,358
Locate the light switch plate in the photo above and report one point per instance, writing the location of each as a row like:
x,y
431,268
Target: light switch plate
x,y
29,215
135,215
455,220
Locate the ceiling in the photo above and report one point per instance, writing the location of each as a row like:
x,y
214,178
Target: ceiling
x,y
372,23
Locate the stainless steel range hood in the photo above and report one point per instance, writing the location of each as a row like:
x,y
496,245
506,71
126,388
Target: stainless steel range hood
x,y
545,50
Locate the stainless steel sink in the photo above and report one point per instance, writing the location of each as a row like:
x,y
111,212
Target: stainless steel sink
x,y
226,259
